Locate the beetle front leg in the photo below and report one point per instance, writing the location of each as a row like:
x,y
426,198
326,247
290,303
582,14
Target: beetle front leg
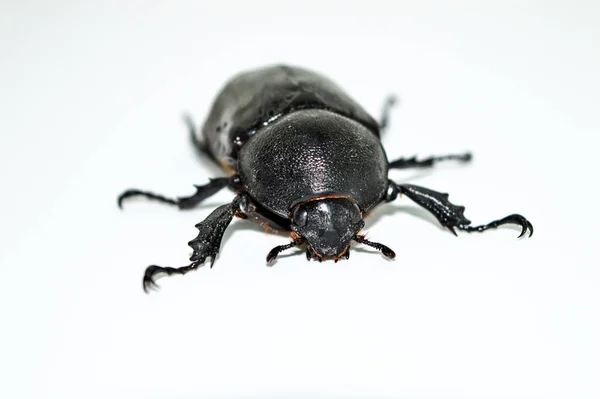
x,y
205,245
202,193
449,215
413,162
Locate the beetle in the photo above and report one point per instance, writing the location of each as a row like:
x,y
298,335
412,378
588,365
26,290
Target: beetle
x,y
304,159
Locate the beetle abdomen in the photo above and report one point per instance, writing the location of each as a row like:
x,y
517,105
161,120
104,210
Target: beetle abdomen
x,y
253,99
312,153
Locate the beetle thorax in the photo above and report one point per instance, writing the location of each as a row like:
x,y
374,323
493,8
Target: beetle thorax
x,y
311,154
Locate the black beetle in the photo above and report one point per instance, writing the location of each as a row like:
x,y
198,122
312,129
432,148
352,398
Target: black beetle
x,y
306,159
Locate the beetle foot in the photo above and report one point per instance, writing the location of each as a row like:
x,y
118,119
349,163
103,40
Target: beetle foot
x,y
510,219
149,283
139,193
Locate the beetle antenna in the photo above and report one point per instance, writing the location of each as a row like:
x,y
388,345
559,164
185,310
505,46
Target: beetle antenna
x,y
387,251
275,251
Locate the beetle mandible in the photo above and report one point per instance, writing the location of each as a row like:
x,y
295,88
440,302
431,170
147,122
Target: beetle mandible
x,y
305,159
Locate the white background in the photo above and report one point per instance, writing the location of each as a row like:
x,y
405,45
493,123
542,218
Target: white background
x,y
91,98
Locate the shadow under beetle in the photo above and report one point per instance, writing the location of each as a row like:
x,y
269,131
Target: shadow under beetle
x,y
303,158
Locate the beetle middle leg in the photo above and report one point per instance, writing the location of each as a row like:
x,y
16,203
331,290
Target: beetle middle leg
x,y
198,143
206,245
449,215
202,193
413,162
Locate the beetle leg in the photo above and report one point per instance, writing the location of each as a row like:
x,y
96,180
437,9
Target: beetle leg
x,y
452,216
413,162
153,271
205,245
390,101
202,193
198,142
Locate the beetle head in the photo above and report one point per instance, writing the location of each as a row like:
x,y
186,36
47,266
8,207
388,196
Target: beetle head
x,y
327,225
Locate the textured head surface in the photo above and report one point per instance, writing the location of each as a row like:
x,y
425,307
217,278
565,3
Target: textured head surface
x,y
327,224
309,154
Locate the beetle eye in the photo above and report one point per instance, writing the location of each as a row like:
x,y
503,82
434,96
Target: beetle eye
x,y
300,217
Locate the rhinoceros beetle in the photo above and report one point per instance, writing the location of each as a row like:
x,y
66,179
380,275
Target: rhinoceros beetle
x,y
304,159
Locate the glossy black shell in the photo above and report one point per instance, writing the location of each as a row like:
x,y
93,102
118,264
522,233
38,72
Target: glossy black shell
x,y
258,97
293,135
309,154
